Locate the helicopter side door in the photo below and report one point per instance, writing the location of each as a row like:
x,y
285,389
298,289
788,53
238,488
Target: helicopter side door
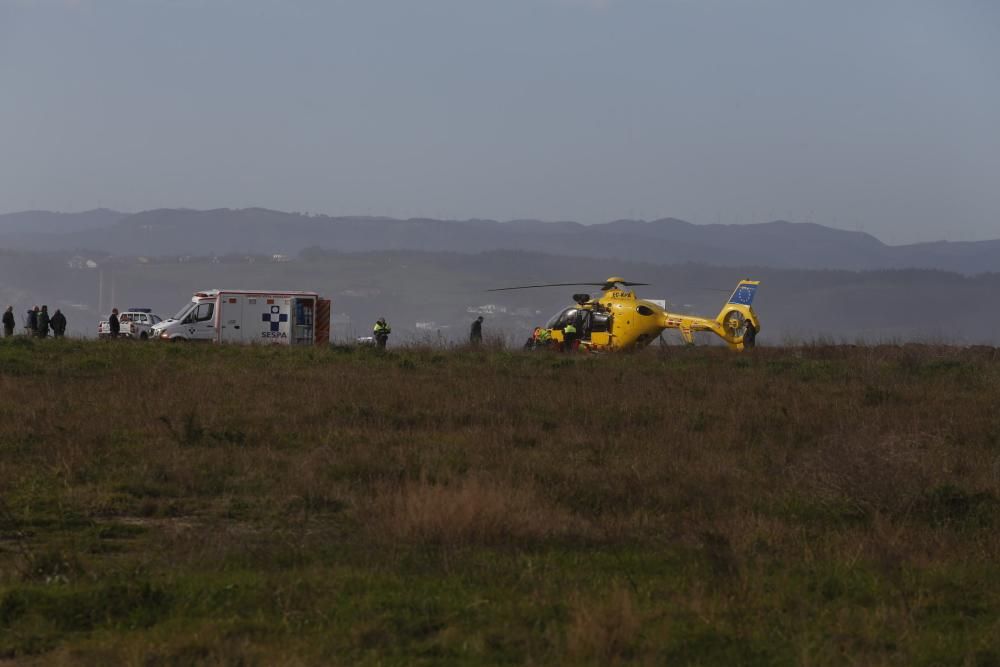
x,y
600,328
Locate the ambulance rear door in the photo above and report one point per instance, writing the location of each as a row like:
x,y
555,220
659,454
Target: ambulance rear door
x,y
231,317
304,313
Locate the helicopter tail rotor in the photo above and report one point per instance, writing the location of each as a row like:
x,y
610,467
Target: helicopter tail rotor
x,y
738,311
734,323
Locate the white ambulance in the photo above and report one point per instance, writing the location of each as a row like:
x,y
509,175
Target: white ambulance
x,y
271,317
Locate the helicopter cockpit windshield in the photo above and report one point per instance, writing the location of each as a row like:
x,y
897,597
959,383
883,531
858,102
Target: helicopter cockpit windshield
x,y
584,321
564,317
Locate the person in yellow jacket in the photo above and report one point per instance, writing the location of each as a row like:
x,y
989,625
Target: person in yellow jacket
x,y
381,331
569,337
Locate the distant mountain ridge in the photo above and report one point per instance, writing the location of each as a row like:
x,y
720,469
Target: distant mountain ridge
x,y
48,222
778,244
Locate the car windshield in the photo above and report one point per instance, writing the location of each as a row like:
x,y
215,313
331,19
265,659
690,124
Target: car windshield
x,y
182,313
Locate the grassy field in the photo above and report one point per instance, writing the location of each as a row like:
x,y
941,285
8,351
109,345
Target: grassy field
x,y
174,505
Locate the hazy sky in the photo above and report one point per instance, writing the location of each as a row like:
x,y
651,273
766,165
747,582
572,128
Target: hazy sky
x,y
881,115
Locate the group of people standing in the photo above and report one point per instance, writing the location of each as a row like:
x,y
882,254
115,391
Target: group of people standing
x,y
38,322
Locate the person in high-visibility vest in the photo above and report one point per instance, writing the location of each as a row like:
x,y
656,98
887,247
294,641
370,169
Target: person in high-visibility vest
x,y
569,337
381,331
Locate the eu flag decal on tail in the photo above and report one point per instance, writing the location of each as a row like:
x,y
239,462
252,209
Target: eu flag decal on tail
x,y
744,293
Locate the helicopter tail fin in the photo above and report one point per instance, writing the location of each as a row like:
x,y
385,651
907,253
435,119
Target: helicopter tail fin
x,y
737,311
744,293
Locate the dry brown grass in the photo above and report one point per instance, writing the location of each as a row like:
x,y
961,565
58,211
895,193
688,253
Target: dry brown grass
x,y
883,474
466,512
606,629
838,496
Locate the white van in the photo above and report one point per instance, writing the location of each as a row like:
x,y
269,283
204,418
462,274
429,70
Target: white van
x,y
250,316
134,323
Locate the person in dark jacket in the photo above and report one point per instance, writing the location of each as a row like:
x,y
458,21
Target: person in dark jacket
x,y
114,324
43,322
749,335
33,321
476,333
58,324
8,322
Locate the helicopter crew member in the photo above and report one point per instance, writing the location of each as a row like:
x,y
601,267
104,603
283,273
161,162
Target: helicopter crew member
x,y
476,333
749,335
570,339
381,331
539,338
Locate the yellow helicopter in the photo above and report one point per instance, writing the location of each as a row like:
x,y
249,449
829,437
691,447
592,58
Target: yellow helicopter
x,y
620,321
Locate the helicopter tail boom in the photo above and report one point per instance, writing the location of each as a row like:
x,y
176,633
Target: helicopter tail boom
x,y
729,325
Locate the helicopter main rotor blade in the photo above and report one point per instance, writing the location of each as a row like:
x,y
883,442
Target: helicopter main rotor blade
x,y
503,289
605,285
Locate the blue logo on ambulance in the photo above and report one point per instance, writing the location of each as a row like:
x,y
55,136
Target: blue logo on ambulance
x,y
275,318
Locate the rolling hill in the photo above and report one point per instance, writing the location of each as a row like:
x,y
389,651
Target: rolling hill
x,y
779,244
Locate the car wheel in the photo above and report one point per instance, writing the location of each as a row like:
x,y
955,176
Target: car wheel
x,y
143,336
